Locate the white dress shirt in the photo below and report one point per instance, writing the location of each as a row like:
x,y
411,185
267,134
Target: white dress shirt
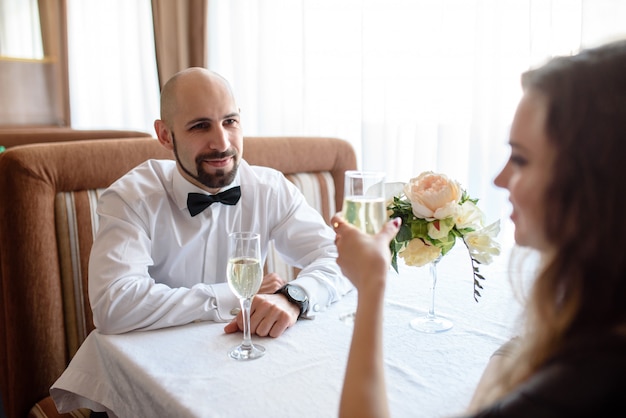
x,y
153,265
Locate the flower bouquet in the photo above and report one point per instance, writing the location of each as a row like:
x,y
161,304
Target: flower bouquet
x,y
435,211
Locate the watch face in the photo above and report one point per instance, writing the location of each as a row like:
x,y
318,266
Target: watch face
x,y
296,292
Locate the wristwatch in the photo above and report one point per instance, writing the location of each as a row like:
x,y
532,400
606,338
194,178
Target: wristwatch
x,y
295,294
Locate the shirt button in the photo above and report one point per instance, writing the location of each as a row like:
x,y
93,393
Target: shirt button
x,y
316,307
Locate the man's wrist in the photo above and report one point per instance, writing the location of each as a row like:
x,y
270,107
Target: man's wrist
x,y
296,295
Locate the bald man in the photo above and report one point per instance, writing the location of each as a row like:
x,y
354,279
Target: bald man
x,y
159,256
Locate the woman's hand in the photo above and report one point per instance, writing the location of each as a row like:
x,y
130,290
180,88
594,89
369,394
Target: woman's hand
x,y
363,258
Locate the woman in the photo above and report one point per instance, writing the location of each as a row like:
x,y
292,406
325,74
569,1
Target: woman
x,y
566,179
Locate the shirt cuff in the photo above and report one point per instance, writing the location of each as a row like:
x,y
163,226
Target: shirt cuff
x,y
227,303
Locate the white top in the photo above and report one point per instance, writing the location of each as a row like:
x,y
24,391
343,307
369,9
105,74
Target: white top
x,y
186,372
153,265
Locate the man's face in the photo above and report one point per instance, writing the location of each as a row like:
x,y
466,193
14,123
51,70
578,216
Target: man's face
x,y
204,131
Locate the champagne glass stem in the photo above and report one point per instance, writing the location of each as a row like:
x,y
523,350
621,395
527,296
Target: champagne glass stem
x,y
430,322
245,308
433,283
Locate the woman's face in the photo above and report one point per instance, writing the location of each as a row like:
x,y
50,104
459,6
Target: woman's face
x,y
528,171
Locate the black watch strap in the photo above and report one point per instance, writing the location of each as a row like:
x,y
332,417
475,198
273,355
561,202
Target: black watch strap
x,y
295,294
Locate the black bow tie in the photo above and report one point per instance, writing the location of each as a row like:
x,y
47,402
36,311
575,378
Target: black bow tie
x,y
197,202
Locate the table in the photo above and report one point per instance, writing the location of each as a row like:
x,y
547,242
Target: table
x,y
185,371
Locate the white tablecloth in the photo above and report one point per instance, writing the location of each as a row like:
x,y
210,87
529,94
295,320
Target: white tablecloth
x,y
185,371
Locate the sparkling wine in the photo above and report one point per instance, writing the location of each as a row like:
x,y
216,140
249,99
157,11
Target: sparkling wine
x,y
244,276
367,214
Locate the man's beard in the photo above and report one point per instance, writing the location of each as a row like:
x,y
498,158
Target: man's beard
x,y
217,180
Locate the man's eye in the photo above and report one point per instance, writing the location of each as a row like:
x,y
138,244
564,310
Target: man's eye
x,y
230,121
200,126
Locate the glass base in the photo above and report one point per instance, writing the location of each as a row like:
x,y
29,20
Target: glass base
x,y
248,352
431,324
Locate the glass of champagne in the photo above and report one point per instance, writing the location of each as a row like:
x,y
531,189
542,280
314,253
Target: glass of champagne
x,y
364,206
244,279
364,200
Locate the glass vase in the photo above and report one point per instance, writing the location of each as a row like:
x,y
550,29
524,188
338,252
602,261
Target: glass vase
x,y
431,323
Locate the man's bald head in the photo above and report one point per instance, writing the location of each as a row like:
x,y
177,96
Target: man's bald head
x,y
184,80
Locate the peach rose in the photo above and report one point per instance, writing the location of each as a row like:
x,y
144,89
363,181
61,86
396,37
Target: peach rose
x,y
433,196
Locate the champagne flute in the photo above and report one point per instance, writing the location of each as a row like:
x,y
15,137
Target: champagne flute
x,y
364,206
244,279
364,200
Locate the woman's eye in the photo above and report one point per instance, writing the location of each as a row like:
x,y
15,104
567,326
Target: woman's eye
x,y
517,160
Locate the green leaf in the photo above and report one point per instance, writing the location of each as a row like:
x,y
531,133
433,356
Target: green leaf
x,y
404,234
394,261
419,228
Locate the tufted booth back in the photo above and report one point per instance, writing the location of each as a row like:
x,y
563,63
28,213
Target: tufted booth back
x,y
48,195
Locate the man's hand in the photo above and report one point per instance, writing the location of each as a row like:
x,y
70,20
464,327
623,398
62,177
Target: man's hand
x,y
270,315
271,283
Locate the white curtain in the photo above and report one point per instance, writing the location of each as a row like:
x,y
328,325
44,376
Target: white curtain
x,y
414,85
112,65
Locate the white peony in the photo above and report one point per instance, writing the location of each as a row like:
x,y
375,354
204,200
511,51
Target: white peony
x,y
482,245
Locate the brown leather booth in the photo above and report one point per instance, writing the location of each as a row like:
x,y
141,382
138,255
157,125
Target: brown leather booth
x,y
11,137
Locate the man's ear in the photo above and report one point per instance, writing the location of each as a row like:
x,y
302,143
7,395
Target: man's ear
x,y
163,134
